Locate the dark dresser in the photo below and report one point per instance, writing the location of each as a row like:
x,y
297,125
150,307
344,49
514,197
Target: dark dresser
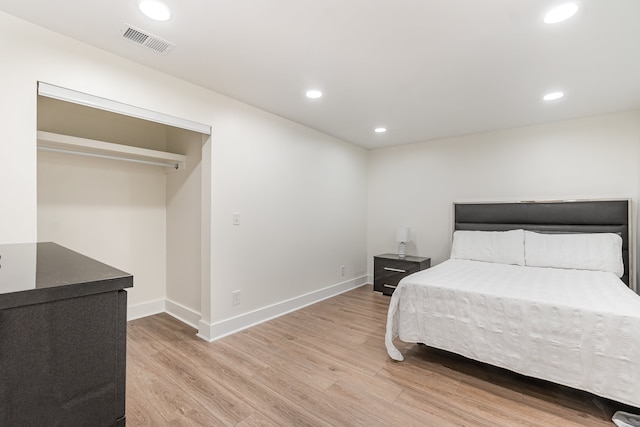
x,y
63,325
388,269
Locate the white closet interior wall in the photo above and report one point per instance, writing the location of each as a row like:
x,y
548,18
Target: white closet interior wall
x,y
184,229
135,217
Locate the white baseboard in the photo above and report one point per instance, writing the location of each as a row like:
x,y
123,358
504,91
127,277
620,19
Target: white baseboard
x,y
213,331
146,309
182,313
164,305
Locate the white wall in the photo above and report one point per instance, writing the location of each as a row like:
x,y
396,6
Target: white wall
x,y
184,231
301,194
416,185
111,211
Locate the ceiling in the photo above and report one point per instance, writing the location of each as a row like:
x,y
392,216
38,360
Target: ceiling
x,y
424,69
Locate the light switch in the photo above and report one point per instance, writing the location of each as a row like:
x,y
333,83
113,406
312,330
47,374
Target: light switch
x,y
236,218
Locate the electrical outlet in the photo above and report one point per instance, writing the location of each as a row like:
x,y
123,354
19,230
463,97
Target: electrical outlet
x,y
341,270
235,298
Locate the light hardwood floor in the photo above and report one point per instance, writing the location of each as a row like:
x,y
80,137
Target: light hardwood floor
x,y
326,365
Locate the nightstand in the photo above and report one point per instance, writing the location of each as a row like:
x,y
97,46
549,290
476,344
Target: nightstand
x,y
388,269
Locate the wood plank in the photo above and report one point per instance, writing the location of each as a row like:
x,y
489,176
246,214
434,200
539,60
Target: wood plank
x,y
326,365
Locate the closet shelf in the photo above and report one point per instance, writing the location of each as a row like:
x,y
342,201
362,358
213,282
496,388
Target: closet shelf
x,y
91,147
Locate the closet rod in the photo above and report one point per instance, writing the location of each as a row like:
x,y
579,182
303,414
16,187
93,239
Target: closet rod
x,y
104,156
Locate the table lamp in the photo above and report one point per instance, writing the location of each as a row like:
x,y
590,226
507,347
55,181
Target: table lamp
x,y
402,237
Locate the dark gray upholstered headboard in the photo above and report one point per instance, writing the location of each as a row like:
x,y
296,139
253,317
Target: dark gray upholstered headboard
x,y
588,216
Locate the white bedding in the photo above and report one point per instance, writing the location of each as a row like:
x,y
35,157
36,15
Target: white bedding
x,y
574,327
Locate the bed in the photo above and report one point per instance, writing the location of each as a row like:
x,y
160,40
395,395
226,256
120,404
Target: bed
x,y
539,288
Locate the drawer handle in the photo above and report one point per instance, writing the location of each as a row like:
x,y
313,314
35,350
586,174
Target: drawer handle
x,y
397,270
389,286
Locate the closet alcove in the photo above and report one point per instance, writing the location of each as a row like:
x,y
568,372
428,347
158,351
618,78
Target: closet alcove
x,y
96,197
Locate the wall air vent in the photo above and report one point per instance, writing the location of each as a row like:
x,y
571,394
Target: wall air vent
x,y
147,40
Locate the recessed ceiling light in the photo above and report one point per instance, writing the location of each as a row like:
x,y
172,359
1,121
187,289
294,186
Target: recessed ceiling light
x,y
561,13
553,96
380,130
155,10
314,94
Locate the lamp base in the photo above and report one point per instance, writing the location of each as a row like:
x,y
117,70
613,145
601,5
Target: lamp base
x,y
402,250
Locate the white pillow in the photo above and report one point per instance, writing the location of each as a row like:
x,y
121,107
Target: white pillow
x,y
504,247
588,251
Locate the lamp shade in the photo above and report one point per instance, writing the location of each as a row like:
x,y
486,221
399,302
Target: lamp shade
x,y
402,234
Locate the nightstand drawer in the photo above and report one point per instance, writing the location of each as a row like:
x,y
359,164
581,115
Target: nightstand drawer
x,y
388,275
389,269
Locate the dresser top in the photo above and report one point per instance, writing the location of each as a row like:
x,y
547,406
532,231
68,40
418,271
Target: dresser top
x,y
33,273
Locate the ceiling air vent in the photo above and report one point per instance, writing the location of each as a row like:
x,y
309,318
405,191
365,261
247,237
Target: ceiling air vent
x,y
147,40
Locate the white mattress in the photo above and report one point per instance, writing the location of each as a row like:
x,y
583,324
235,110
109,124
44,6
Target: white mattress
x,y
574,327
